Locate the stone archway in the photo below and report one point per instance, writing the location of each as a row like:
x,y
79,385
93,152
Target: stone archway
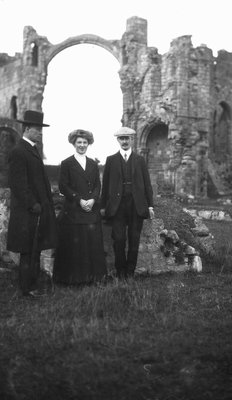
x,y
108,45
85,87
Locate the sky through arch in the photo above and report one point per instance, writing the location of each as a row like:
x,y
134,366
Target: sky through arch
x,y
82,91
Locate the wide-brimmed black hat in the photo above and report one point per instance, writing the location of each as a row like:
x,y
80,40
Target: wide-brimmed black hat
x,y
33,118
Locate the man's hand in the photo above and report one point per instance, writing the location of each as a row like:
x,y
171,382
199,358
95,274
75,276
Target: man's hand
x,y
103,212
36,209
151,212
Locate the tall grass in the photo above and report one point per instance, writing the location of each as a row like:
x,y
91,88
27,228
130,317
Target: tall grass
x,y
163,337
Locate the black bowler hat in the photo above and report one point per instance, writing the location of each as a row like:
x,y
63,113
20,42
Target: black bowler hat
x,y
33,118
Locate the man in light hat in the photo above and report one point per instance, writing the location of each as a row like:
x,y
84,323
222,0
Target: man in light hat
x,y
32,223
127,199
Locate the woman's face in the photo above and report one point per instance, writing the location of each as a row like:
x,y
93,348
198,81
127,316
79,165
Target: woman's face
x,y
81,145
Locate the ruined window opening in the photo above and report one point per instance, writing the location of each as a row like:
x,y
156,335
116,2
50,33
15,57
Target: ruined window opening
x,y
34,54
221,132
158,158
124,55
155,60
13,107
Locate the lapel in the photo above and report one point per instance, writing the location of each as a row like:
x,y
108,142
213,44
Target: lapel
x,y
133,162
88,169
118,162
28,147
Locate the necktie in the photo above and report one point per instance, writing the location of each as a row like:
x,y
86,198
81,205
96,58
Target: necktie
x,y
125,157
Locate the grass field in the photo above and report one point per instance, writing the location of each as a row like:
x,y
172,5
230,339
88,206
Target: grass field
x,y
162,337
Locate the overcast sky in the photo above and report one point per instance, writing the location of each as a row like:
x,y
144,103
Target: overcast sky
x,y
83,84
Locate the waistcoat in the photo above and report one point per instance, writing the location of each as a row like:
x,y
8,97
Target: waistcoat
x,y
126,176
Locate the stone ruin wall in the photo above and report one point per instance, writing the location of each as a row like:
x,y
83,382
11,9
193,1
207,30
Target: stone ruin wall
x,y
182,90
179,103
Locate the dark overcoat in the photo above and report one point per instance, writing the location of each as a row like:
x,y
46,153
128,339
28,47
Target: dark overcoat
x,y
112,187
29,184
75,184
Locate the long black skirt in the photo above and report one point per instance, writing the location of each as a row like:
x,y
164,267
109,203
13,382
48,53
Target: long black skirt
x,y
80,254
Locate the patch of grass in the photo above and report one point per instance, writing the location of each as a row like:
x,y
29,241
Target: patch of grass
x,y
171,212
162,337
221,259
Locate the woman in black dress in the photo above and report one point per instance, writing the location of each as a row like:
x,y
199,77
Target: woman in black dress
x,y
80,253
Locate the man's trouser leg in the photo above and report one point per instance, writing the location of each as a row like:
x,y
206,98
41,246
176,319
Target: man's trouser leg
x,y
135,224
28,271
119,240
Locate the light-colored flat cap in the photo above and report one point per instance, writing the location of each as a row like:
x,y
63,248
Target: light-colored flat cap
x,y
124,131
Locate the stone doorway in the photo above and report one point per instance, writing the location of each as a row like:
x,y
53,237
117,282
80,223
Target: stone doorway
x,y
158,158
222,144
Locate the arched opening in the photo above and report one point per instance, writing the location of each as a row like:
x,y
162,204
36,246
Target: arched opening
x,y
34,54
13,107
82,91
221,133
158,158
124,56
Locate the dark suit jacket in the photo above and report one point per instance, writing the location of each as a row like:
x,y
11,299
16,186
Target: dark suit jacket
x,y
112,188
75,184
29,184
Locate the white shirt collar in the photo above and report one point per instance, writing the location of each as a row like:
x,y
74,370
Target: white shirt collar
x,y
81,158
127,152
29,141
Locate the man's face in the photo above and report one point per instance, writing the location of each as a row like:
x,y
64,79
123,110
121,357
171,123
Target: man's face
x,y
125,142
34,133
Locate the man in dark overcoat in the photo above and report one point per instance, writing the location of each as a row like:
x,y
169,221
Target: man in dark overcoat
x,y
127,199
32,223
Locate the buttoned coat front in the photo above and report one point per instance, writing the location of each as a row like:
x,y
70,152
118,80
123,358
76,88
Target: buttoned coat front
x,y
29,185
75,184
112,187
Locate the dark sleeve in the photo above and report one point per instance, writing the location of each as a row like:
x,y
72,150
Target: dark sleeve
x,y
105,183
96,185
147,184
19,180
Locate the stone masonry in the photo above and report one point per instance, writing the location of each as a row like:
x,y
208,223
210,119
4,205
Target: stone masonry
x,y
179,103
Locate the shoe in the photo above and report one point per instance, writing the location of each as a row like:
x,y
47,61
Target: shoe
x,y
34,294
130,271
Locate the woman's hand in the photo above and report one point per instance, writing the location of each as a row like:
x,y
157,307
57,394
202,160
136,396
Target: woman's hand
x,y
90,203
87,205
